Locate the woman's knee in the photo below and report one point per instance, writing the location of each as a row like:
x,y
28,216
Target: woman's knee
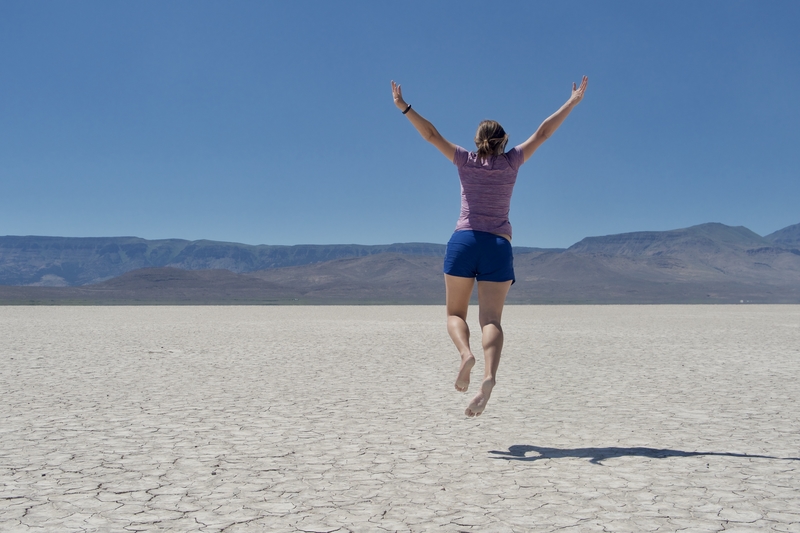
x,y
457,313
490,320
457,308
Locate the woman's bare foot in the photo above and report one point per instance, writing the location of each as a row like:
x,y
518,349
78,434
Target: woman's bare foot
x,y
478,403
462,380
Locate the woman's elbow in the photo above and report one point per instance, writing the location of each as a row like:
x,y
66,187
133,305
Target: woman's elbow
x,y
430,135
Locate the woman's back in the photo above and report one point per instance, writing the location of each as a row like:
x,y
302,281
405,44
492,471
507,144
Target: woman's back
x,y
486,188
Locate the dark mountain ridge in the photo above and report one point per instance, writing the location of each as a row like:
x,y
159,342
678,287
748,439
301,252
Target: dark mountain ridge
x,y
68,261
700,252
707,237
788,236
709,263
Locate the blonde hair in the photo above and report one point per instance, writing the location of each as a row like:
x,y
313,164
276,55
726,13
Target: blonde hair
x,y
490,138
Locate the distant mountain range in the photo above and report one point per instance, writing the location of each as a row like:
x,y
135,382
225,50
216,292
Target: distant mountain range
x,y
711,263
66,261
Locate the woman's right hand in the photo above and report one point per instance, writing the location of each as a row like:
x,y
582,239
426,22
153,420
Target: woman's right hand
x,y
551,123
397,94
577,92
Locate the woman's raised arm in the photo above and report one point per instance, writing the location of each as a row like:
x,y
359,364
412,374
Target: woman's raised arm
x,y
425,128
552,122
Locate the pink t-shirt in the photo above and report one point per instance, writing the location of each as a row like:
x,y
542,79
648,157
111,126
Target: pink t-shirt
x,y
486,187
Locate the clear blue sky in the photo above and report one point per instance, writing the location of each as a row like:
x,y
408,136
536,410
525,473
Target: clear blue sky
x,y
273,123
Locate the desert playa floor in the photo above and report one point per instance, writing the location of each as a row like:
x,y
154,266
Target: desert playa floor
x,y
323,419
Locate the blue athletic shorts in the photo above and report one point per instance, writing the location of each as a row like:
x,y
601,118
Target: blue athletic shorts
x,y
478,254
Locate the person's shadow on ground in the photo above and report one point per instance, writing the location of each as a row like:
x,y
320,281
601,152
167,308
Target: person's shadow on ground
x,y
518,452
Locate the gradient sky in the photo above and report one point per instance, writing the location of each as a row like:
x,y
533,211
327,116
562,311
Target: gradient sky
x,y
273,122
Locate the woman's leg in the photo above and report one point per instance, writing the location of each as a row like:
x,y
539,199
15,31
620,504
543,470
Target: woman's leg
x,y
459,291
491,298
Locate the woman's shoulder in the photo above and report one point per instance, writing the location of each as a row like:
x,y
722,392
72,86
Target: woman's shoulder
x,y
515,157
461,156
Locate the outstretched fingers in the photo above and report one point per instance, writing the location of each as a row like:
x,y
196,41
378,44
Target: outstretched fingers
x,y
584,83
397,91
577,92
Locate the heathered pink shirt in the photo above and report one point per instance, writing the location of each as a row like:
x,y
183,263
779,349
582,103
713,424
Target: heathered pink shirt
x,y
486,187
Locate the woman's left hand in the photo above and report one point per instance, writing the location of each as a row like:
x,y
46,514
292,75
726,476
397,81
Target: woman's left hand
x,y
397,94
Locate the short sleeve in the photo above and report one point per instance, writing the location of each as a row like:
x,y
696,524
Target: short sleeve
x,y
460,157
515,157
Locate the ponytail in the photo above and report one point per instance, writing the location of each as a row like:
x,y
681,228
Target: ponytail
x,y
490,139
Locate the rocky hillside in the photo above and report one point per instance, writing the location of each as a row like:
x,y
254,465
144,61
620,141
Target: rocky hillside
x,y
63,261
789,236
709,263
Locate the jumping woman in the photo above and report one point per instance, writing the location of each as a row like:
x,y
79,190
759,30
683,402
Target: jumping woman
x,y
480,248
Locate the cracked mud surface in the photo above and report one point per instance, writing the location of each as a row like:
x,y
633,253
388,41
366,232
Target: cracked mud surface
x,y
337,419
